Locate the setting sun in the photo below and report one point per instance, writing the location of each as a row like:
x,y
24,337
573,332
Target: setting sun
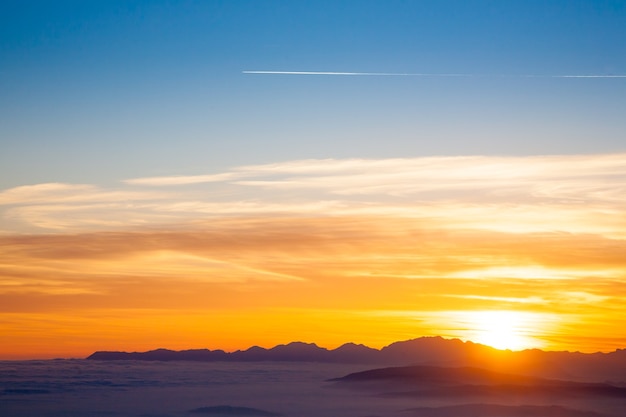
x,y
503,329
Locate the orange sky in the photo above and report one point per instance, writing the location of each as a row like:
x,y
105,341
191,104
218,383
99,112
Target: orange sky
x,y
325,251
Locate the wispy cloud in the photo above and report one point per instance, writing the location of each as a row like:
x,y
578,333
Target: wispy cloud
x,y
568,193
182,179
249,276
319,248
42,192
499,299
69,193
559,176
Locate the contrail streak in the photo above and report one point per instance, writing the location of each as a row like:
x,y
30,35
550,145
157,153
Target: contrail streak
x,y
586,76
400,74
385,74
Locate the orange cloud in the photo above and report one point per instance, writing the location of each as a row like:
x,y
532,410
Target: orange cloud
x,y
323,250
336,266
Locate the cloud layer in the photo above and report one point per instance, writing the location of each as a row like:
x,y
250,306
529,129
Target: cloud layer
x,y
322,250
576,193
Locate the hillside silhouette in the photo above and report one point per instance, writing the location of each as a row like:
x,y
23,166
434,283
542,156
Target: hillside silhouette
x,y
436,381
476,392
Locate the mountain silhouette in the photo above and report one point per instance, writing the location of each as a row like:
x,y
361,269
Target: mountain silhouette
x,y
498,410
435,351
476,392
292,352
437,381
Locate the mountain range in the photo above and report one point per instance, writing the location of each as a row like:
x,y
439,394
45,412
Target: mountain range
x,y
434,351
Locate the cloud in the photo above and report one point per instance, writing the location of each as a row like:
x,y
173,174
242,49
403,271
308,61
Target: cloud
x,y
498,299
569,297
82,217
42,192
181,179
583,297
507,176
69,193
402,176
567,193
267,277
317,249
307,244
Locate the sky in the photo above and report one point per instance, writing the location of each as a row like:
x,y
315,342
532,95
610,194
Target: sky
x,y
189,174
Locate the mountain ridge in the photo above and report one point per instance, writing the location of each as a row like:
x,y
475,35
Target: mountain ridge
x,y
420,351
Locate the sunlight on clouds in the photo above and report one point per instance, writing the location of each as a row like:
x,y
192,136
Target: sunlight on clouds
x,y
575,193
531,272
563,176
42,192
53,193
327,246
185,266
182,179
583,297
43,286
252,207
39,274
522,300
545,172
85,217
527,218
527,248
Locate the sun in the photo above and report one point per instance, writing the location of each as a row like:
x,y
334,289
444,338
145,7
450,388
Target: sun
x,y
502,329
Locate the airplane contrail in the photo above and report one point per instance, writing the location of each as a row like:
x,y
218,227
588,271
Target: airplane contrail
x,y
386,74
401,74
584,76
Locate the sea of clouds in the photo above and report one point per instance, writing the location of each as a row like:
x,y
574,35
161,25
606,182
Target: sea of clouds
x,y
82,388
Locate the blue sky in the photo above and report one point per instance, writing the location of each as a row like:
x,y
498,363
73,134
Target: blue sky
x,y
102,91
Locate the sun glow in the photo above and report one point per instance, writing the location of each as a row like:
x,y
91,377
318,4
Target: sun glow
x,y
503,329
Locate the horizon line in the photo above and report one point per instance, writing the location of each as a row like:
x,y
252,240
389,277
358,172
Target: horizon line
x,y
463,341
405,74
329,349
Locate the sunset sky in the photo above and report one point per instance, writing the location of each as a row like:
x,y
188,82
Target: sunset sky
x,y
222,174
